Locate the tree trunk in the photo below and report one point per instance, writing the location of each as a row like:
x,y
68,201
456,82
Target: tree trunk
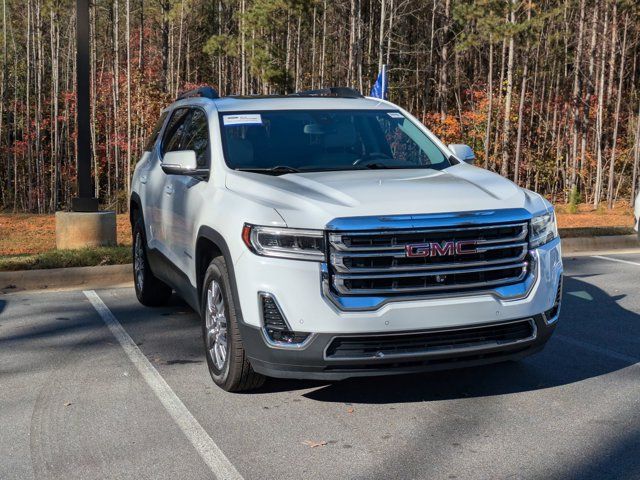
x,y
635,186
93,101
487,136
128,35
576,97
165,45
616,117
597,191
116,98
443,87
352,42
383,15
504,169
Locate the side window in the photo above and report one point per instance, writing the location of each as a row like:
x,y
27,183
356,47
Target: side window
x,y
151,141
173,135
196,136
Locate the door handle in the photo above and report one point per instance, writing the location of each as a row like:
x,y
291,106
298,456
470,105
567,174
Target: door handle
x,y
143,178
168,189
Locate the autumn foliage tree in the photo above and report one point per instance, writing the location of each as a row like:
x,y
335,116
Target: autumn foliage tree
x,y
547,93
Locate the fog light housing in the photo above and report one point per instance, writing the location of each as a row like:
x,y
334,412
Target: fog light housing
x,y
551,315
275,328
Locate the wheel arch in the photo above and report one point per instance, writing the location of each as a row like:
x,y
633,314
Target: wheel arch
x,y
210,244
135,207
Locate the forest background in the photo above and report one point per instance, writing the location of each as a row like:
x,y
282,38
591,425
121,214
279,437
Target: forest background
x,y
547,93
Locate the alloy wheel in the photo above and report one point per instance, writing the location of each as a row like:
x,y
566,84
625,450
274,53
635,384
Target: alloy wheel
x,y
216,325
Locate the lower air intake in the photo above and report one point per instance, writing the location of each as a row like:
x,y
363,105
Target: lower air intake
x,y
275,324
430,342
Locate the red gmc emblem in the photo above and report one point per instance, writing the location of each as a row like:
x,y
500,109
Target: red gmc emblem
x,y
435,249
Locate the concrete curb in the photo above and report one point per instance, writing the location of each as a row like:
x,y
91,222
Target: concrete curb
x,y
593,244
66,278
110,275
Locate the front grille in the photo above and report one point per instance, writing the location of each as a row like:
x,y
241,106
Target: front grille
x,y
377,263
430,342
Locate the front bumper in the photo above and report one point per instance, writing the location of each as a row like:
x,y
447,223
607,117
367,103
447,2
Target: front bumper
x,y
298,288
311,362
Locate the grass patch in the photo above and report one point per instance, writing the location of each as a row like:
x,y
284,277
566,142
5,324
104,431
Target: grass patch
x,y
86,257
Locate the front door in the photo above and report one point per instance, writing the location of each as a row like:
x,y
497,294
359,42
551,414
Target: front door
x,y
189,192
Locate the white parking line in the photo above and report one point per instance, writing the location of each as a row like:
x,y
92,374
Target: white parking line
x,y
601,257
219,464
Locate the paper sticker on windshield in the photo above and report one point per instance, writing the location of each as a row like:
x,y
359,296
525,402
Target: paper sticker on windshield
x,y
395,114
242,119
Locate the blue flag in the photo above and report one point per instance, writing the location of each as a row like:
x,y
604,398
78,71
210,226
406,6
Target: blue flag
x,y
380,89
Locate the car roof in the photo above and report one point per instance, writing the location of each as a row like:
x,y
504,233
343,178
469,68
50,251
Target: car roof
x,y
284,102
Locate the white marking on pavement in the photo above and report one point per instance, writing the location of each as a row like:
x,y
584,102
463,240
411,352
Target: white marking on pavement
x,y
635,361
601,257
219,464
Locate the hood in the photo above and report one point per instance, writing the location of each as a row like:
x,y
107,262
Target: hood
x,y
312,200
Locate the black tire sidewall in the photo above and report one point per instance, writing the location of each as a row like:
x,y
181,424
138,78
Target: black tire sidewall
x,y
138,228
154,292
214,272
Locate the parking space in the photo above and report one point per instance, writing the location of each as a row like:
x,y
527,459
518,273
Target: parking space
x,y
76,404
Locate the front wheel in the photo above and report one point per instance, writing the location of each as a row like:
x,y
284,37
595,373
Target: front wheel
x,y
227,361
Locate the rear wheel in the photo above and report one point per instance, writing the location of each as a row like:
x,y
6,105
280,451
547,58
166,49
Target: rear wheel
x,y
227,361
150,290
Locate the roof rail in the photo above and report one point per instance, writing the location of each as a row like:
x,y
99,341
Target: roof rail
x,y
342,92
204,92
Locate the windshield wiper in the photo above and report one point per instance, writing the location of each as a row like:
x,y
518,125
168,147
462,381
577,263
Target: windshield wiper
x,y
277,170
377,166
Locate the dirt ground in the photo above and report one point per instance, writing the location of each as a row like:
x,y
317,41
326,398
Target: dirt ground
x,y
26,233
619,216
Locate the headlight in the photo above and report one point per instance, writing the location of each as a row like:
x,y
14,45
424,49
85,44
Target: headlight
x,y
543,230
285,242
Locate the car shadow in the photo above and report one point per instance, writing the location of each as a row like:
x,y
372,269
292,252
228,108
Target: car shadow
x,y
585,308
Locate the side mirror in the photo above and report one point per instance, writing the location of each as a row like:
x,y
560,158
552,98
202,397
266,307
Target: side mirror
x,y
463,152
182,162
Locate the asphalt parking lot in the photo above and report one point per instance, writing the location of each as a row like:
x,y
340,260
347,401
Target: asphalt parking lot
x,y
95,386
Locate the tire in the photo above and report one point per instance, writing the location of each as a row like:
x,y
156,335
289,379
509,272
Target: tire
x,y
226,358
150,291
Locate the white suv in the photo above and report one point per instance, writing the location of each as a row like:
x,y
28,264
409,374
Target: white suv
x,y
327,235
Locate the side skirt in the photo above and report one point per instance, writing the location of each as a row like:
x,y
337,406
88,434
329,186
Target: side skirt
x,y
165,270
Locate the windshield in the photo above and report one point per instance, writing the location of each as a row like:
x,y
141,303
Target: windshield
x,y
278,141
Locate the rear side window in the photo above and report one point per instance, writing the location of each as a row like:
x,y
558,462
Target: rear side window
x,y
196,136
173,136
151,141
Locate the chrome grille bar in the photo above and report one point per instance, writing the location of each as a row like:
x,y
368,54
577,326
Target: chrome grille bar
x,y
338,260
341,285
376,262
338,243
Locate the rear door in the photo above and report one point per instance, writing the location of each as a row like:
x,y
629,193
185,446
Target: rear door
x,y
163,184
149,161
